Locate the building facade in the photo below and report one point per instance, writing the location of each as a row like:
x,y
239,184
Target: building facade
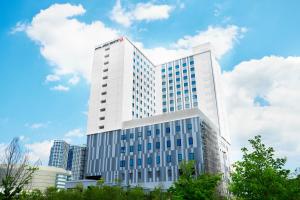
x,y
68,157
148,151
46,177
76,161
59,154
123,86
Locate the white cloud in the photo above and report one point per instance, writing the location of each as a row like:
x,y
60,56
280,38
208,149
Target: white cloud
x,y
19,27
39,151
77,133
277,81
37,125
221,38
65,42
74,80
52,78
60,88
141,12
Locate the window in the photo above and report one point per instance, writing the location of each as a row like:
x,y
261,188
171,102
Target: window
x,y
139,161
178,141
102,109
122,163
178,92
177,73
179,157
123,149
184,64
163,70
157,160
105,63
103,93
105,70
102,118
169,173
149,146
149,174
104,85
157,131
193,82
168,143
131,149
105,77
168,130
106,49
177,128
192,62
172,109
191,156
131,162
139,175
185,84
189,126
178,86
177,66
192,69
139,147
123,137
158,174
101,127
148,132
131,135
184,71
149,160
193,75
185,78
169,158
186,91
103,101
106,56
164,110
194,89
190,140
157,145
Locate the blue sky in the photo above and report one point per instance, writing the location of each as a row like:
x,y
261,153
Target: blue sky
x,y
45,58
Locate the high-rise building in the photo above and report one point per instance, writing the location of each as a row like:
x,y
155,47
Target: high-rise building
x,y
122,86
76,161
69,157
144,120
59,154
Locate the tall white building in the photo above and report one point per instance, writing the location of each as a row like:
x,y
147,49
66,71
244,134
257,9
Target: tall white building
x,y
192,82
122,88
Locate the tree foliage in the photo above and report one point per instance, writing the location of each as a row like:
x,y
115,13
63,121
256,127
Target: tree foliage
x,y
15,171
260,176
191,187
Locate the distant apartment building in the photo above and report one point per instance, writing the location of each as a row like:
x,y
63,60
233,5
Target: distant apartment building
x,y
69,157
122,88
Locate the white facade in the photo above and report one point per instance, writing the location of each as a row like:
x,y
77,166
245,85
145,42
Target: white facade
x,y
192,82
122,86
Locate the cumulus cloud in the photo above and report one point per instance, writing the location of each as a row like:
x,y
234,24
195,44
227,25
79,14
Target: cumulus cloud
x,y
65,42
37,125
52,78
74,133
275,80
141,12
60,88
39,151
74,80
222,39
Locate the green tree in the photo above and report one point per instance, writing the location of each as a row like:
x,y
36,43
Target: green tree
x,y
136,193
190,186
259,175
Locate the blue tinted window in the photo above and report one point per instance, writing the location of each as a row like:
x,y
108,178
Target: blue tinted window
x,y
179,157
131,162
149,160
168,129
170,75
177,86
163,83
184,71
164,103
157,144
123,137
178,142
168,143
170,68
131,148
149,146
185,84
170,81
185,77
123,149
184,64
122,163
171,101
169,158
157,131
178,92
177,128
186,91
158,160
191,156
192,62
163,76
192,69
177,73
164,110
171,87
190,140
177,66
194,89
131,135
193,75
148,132
193,82
164,89
172,109
139,147
139,161
163,70
171,94
189,126
177,79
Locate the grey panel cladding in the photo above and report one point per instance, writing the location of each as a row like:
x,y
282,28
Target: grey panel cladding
x,y
152,153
